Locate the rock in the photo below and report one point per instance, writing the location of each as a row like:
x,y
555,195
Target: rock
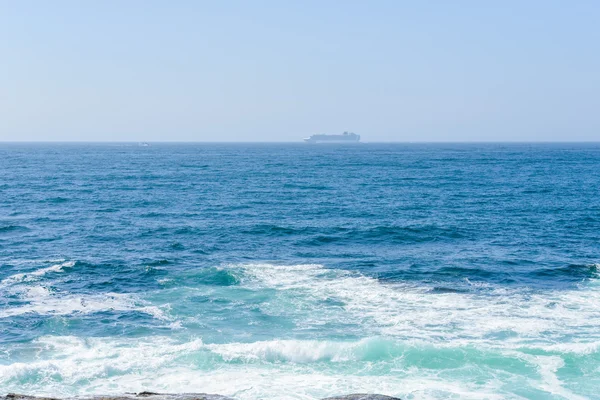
x,y
14,396
184,396
362,396
126,396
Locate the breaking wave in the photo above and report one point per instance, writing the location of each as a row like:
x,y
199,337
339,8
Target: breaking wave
x,y
271,369
33,294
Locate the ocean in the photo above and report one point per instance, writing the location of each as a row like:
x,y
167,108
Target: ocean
x,y
295,271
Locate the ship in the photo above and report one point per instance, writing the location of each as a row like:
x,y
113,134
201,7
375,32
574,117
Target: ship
x,y
346,137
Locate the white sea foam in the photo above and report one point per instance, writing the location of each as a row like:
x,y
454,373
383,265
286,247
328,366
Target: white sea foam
x,y
48,304
75,358
41,299
549,382
35,275
295,351
112,365
527,335
412,312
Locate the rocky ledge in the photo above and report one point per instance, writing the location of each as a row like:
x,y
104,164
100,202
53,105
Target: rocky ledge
x,y
186,396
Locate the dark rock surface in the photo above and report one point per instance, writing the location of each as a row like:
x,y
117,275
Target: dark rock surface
x,y
362,396
184,396
126,396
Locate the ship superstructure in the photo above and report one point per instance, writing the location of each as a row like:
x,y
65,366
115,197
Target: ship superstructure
x,y
346,137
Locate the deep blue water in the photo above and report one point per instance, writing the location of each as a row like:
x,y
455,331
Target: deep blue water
x,y
298,271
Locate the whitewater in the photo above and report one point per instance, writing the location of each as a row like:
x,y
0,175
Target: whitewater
x,y
406,339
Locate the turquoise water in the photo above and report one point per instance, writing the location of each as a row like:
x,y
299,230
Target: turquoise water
x,y
278,271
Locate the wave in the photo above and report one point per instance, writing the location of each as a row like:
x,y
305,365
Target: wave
x,y
294,351
279,230
575,272
414,310
444,289
374,349
388,234
57,200
316,235
36,296
462,272
8,229
512,275
369,331
42,301
274,230
278,368
413,232
381,349
209,276
306,186
310,296
35,275
160,262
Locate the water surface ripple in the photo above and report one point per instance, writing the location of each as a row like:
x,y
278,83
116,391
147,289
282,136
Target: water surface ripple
x,y
282,271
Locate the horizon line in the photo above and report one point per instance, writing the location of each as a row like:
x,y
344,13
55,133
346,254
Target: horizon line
x,y
298,142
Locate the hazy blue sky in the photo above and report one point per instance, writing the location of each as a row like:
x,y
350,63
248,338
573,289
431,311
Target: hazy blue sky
x,y
281,70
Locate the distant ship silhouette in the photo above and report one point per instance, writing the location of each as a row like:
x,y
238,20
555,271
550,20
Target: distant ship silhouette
x,y
346,137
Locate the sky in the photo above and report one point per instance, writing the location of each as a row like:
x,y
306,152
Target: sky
x,y
176,70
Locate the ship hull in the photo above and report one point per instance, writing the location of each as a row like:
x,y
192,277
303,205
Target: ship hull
x,y
308,140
